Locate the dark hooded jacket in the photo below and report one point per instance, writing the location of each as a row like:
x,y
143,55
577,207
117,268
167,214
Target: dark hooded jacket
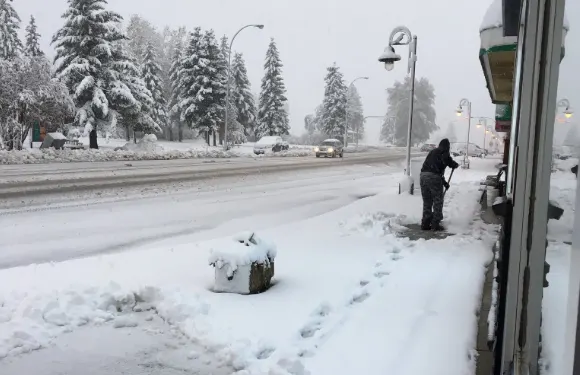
x,y
438,159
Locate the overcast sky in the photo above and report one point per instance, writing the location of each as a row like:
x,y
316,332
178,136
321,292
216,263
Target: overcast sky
x,y
313,34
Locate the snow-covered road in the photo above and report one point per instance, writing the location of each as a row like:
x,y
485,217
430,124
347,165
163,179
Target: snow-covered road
x,y
40,229
41,180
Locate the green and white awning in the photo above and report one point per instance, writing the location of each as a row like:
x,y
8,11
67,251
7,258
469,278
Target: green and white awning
x,y
497,54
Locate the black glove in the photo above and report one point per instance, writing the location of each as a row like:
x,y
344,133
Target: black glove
x,y
446,185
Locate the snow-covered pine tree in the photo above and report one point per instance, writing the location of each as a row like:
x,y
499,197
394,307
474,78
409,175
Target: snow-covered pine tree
x,y
154,83
176,51
141,33
32,47
242,95
355,112
334,105
135,102
183,75
272,118
201,87
223,69
424,114
98,73
10,44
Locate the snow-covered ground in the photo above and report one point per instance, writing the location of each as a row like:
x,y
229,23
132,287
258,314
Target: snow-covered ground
x,y
554,304
159,150
350,296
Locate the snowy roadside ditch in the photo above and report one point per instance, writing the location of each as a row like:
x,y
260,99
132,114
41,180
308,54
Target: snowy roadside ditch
x,y
332,271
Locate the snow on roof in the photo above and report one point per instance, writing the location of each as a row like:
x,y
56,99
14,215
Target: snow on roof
x,y
494,17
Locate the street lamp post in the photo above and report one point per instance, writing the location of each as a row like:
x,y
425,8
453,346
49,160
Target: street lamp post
x,y
401,35
565,103
346,112
465,103
228,82
483,121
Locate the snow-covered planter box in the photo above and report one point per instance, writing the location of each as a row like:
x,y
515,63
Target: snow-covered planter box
x,y
243,266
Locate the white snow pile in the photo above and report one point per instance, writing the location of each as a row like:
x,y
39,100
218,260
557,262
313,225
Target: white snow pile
x,y
565,165
492,316
242,250
141,151
29,322
378,224
146,144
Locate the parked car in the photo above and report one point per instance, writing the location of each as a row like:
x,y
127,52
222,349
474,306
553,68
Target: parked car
x,y
428,147
270,143
330,148
458,148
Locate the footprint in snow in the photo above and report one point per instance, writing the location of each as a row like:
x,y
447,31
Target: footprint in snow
x,y
360,297
322,310
378,264
395,250
265,353
381,274
363,282
310,330
396,257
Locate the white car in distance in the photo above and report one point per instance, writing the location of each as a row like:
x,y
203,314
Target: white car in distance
x,y
270,143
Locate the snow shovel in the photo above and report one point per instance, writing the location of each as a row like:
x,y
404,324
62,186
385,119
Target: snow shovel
x,y
448,181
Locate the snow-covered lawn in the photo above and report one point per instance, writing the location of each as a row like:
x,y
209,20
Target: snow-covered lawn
x,y
350,295
554,304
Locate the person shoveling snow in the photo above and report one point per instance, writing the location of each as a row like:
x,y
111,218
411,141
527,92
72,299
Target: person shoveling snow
x,y
432,184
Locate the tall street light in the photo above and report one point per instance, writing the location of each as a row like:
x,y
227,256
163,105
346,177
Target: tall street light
x,y
483,122
465,103
402,36
346,119
228,81
565,103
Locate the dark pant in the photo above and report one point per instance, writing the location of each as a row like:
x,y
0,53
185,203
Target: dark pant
x,y
432,192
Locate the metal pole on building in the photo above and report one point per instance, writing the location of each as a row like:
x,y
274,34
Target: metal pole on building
x,y
228,75
401,35
345,141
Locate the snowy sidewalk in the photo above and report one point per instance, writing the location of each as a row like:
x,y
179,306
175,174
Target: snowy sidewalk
x,y
350,295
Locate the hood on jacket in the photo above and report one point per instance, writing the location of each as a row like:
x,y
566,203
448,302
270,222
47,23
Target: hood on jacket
x,y
444,144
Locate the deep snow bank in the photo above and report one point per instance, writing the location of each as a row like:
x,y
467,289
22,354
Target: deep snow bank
x,y
37,156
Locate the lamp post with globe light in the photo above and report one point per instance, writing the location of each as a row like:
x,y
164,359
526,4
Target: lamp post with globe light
x,y
459,112
401,36
565,103
346,112
228,83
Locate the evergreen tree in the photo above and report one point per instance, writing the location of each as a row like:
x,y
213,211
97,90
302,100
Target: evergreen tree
x,y
223,69
153,82
272,117
141,33
424,114
450,133
309,124
355,112
177,55
333,115
242,95
201,84
102,79
32,36
10,44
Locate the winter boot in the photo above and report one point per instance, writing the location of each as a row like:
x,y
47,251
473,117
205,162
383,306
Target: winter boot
x,y
437,227
425,225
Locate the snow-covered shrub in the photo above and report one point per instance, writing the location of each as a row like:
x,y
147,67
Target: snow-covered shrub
x,y
244,265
